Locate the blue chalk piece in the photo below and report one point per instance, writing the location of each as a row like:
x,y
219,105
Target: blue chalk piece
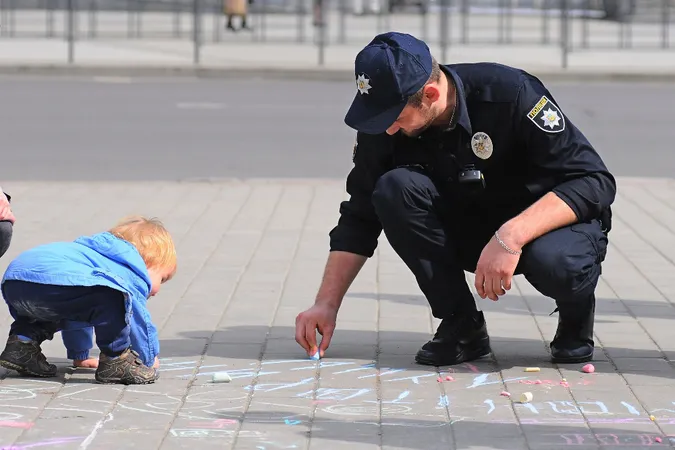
x,y
315,356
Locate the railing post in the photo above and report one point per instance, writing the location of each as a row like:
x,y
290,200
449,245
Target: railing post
x,y
196,30
564,32
320,27
71,31
444,25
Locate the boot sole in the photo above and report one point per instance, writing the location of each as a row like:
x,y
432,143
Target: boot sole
x,y
576,360
127,383
23,371
464,357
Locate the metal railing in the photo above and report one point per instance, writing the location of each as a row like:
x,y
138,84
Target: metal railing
x,y
564,25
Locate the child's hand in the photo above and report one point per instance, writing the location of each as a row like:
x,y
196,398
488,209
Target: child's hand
x,y
156,364
90,363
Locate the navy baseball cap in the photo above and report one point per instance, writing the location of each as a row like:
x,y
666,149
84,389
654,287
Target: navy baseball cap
x,y
391,68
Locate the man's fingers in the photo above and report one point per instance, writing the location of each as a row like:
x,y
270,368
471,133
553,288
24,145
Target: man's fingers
x,y
310,336
480,279
327,334
300,334
497,286
507,283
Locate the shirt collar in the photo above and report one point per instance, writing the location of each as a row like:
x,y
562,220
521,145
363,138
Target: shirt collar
x,y
461,113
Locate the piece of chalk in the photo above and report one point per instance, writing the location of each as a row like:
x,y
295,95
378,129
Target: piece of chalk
x,y
588,368
532,369
652,418
506,394
658,439
439,379
221,377
449,378
526,397
537,382
315,356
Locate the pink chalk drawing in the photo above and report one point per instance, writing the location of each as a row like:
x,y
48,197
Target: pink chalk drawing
x,y
48,442
218,423
13,424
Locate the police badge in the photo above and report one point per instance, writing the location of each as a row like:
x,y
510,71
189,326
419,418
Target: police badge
x,y
481,144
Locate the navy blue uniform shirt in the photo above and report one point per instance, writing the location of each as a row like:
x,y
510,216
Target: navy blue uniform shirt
x,y
508,125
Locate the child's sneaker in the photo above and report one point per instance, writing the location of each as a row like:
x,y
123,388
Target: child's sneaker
x,y
26,357
124,369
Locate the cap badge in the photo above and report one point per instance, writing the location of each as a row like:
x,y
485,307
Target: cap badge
x,y
363,84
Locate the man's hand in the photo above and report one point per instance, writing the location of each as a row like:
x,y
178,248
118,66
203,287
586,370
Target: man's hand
x,y
321,317
494,270
156,363
5,209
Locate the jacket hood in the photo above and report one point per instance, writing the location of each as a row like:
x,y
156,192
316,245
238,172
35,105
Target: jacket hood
x,y
118,250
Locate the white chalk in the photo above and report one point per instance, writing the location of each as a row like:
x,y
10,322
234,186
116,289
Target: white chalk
x,y
315,356
532,369
526,397
221,377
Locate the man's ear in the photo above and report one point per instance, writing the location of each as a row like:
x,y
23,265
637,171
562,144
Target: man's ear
x,y
431,94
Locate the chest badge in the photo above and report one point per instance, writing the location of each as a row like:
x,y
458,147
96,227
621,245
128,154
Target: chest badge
x,y
481,144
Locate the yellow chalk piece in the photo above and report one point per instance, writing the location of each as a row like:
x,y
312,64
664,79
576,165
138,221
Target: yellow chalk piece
x,y
532,369
652,418
526,397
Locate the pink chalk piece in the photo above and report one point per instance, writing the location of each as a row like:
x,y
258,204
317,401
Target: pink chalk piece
x,y
506,394
449,378
439,379
564,384
658,439
537,382
588,368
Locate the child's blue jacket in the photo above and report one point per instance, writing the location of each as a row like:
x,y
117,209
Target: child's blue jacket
x,y
100,259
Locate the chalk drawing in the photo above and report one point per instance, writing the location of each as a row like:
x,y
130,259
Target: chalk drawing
x,y
334,394
215,424
624,439
47,443
443,402
398,399
355,410
200,433
11,424
292,422
631,409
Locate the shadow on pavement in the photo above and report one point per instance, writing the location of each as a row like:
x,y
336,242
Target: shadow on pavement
x,y
396,350
543,305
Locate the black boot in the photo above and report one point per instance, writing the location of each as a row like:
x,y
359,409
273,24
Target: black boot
x,y
458,339
573,341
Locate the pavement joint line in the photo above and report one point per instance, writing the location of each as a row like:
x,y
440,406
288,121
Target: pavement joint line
x,y
200,361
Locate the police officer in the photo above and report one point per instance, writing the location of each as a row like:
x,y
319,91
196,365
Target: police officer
x,y
467,167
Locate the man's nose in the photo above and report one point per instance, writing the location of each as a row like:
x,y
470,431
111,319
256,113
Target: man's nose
x,y
393,129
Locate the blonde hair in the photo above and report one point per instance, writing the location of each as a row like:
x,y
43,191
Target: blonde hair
x,y
151,239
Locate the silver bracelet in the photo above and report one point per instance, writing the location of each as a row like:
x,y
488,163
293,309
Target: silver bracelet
x,y
506,247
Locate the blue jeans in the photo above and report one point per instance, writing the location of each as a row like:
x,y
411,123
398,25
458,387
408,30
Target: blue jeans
x,y
40,310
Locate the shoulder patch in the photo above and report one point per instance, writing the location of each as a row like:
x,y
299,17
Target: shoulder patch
x,y
547,116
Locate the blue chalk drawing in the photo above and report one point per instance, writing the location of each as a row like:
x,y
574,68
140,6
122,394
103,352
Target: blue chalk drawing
x,y
631,409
